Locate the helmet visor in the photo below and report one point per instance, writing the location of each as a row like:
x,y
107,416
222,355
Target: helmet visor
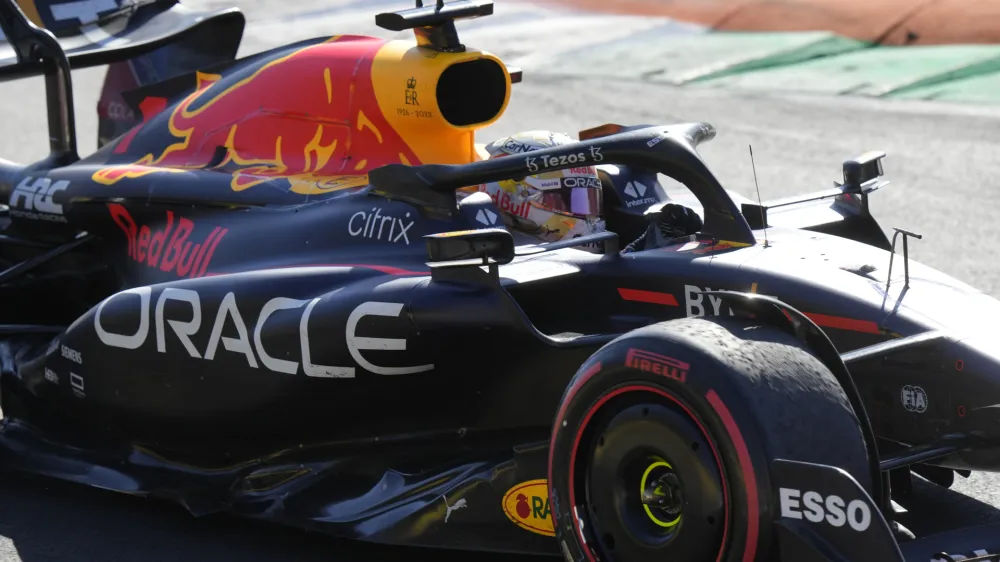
x,y
580,196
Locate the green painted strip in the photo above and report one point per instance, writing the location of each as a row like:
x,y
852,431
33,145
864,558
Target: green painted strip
x,y
813,62
977,89
683,58
728,54
881,71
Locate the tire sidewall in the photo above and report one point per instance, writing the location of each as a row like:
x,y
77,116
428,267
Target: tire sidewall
x,y
708,394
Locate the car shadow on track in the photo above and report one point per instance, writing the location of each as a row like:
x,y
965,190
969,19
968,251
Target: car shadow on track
x,y
934,509
44,520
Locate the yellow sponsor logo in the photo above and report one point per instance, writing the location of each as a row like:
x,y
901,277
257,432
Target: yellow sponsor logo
x,y
527,506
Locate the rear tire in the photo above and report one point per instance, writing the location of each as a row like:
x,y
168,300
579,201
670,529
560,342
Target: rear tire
x,y
662,444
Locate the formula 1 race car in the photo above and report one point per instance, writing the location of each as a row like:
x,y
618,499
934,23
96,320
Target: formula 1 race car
x,y
262,296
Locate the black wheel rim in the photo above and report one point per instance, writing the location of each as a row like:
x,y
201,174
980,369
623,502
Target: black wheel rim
x,y
652,481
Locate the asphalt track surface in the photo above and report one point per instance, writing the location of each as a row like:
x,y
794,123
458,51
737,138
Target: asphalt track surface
x,y
942,162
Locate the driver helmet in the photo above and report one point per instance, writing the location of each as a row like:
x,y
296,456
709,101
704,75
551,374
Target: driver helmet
x,y
551,206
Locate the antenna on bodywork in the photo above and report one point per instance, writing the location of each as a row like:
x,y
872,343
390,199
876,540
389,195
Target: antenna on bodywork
x,y
906,257
760,203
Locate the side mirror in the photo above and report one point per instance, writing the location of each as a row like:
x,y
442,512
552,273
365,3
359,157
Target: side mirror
x,y
470,248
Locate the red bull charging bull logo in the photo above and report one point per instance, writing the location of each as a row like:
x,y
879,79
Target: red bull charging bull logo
x,y
311,118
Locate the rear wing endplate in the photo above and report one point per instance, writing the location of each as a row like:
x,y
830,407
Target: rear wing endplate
x,y
125,33
122,35
862,176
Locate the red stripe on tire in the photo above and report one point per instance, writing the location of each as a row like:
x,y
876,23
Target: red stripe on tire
x,y
749,478
562,411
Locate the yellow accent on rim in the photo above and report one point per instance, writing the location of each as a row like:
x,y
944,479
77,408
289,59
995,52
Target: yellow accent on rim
x,y
642,489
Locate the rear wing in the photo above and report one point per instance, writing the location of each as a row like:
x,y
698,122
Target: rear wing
x,y
51,37
845,205
90,36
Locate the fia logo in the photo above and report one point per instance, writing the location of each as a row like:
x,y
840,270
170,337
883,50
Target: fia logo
x,y
411,92
486,217
914,399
